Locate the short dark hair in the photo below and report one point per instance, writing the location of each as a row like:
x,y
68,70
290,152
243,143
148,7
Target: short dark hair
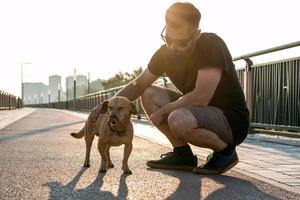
x,y
186,11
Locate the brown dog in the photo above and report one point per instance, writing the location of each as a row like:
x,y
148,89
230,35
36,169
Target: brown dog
x,y
114,128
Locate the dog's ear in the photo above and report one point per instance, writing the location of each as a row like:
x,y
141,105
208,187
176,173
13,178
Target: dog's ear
x,y
104,107
133,108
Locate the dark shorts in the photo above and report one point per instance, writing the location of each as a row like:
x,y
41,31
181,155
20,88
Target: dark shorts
x,y
209,118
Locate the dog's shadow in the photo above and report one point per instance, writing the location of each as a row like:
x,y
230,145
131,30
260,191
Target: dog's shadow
x,y
93,191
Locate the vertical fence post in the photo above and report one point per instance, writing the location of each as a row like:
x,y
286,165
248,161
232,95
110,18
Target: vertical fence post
x,y
248,84
9,101
1,100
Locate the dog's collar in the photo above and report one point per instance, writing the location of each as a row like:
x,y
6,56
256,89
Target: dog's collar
x,y
117,132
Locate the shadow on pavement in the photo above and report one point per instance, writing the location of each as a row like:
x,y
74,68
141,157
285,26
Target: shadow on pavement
x,y
189,186
33,132
59,191
235,188
223,187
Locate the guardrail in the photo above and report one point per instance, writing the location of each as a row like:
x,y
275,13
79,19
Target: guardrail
x,y
87,102
9,101
272,92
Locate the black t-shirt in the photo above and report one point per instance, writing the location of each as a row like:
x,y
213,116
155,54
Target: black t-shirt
x,y
210,51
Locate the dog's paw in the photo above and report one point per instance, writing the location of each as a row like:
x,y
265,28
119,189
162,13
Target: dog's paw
x,y
111,165
86,165
127,171
102,169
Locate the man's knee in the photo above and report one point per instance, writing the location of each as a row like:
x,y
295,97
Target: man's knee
x,y
148,99
181,123
155,95
148,93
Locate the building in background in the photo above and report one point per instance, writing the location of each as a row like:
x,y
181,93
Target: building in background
x,y
81,86
69,82
54,85
96,85
35,93
81,80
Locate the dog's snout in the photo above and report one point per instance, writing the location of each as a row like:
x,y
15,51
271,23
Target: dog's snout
x,y
113,119
113,115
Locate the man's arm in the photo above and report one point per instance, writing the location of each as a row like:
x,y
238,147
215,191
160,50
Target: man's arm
x,y
132,90
135,88
205,86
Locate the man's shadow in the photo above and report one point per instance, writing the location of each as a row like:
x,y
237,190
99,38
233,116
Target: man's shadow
x,y
189,185
93,191
192,186
235,188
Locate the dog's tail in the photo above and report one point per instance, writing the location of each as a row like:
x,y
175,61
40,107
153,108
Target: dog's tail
x,y
80,134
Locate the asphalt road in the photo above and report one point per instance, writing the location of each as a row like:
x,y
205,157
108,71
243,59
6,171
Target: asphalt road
x,y
40,160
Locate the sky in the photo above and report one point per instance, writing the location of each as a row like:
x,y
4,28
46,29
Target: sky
x,y
105,37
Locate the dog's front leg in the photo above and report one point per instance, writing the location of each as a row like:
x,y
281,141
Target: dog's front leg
x,y
104,161
127,151
110,164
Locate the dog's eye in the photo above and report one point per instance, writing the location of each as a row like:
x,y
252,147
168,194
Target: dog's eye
x,y
120,108
110,107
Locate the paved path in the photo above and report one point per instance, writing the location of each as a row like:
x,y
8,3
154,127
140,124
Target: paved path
x,y
39,160
272,159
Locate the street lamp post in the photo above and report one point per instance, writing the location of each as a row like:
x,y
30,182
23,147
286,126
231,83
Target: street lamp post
x,y
41,98
89,83
67,92
22,84
49,96
58,95
74,97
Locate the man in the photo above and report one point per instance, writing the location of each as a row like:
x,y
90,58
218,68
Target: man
x,y
209,111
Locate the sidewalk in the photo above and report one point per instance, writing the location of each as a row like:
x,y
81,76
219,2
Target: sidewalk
x,y
274,160
8,117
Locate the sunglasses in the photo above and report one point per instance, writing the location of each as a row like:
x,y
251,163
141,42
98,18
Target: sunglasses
x,y
169,41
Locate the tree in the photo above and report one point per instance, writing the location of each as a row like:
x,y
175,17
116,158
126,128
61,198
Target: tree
x,y
121,78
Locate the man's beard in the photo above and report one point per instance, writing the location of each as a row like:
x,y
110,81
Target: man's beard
x,y
186,54
182,56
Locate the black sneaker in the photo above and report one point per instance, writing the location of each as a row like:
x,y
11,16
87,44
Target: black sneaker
x,y
217,164
173,160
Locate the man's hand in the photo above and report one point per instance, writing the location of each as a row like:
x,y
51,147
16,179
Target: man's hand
x,y
158,117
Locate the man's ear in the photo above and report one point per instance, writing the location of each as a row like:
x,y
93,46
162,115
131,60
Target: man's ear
x,y
133,108
104,107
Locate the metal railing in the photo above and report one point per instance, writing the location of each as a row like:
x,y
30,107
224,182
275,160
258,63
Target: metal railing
x,y
272,92
9,101
87,102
